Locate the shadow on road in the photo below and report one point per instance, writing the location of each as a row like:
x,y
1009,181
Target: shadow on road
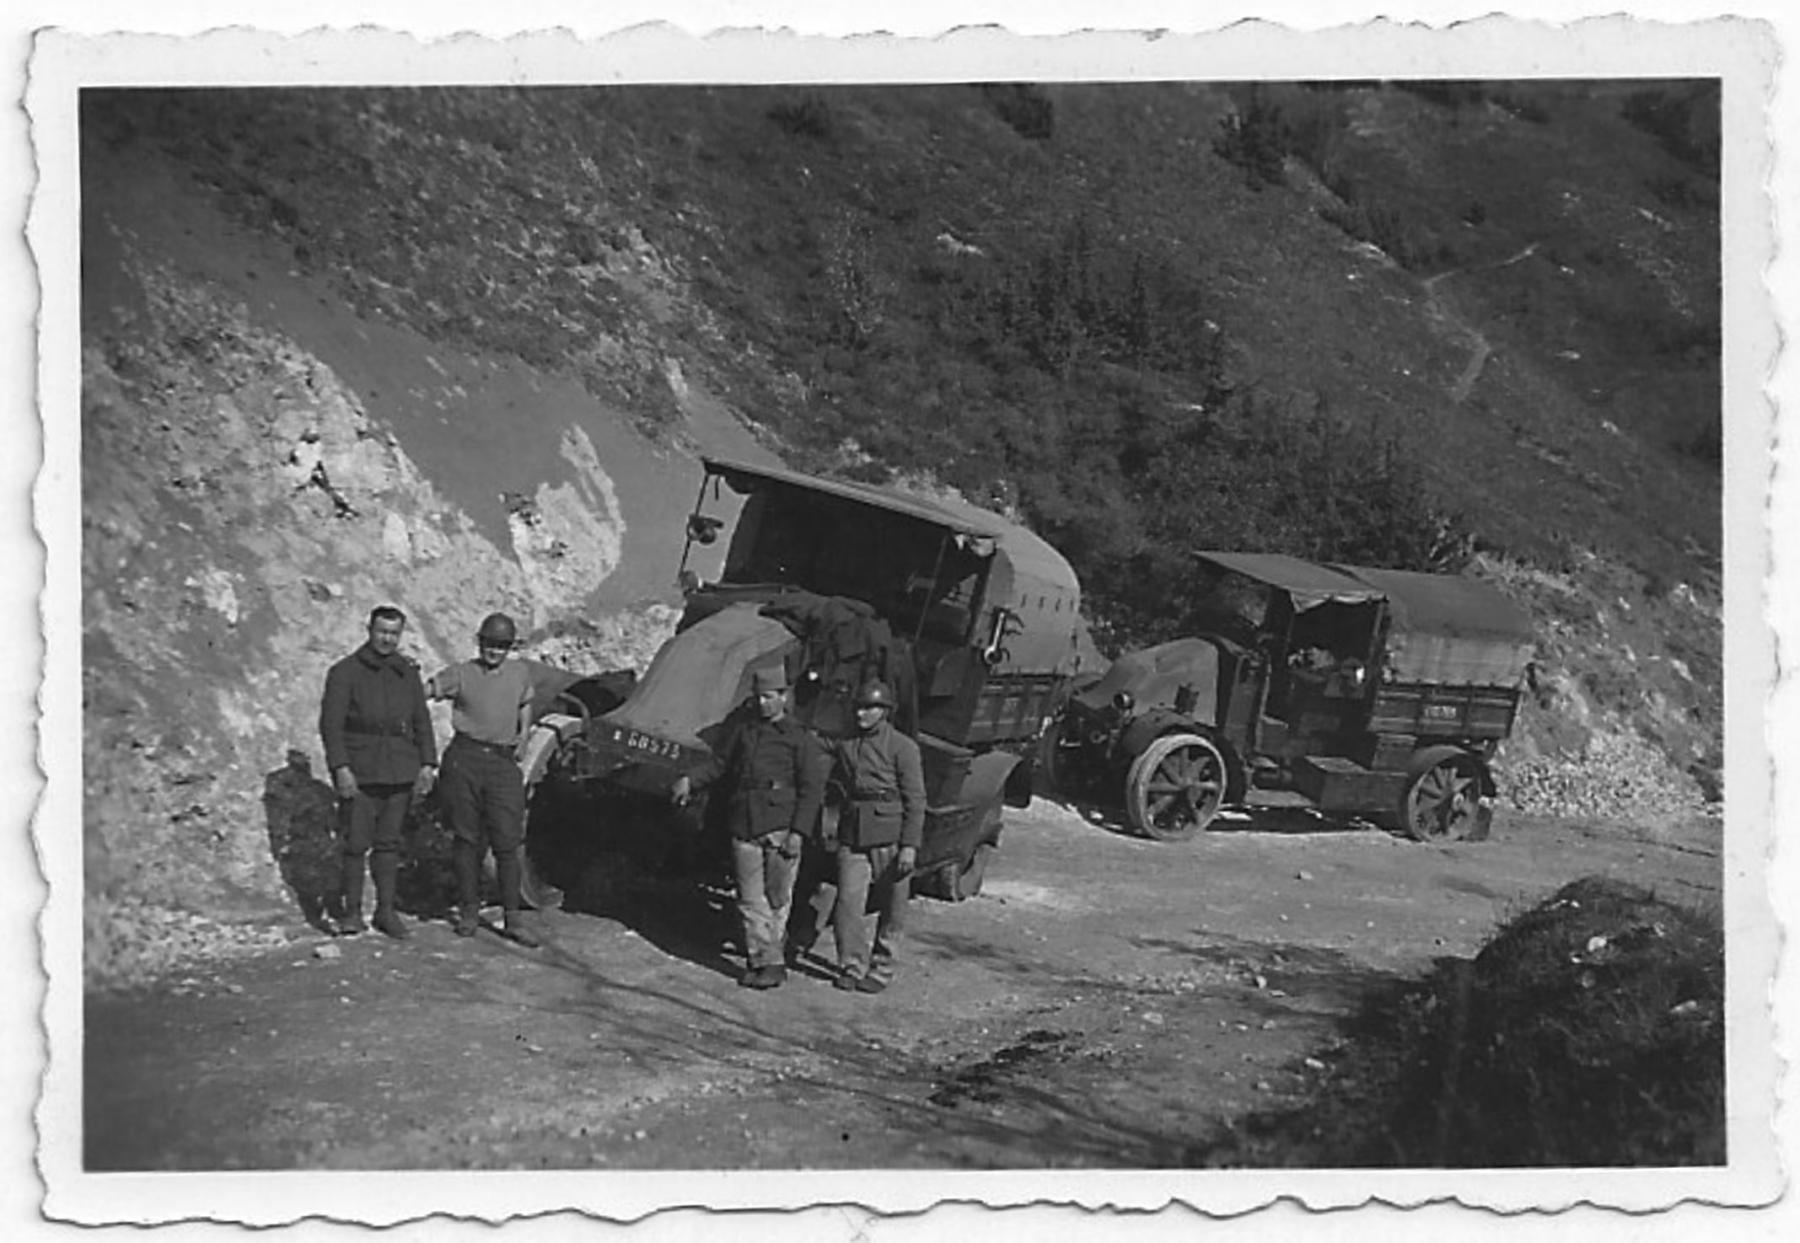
x,y
1274,821
301,813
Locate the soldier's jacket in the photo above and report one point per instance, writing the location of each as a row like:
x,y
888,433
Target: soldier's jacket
x,y
374,718
771,776
883,780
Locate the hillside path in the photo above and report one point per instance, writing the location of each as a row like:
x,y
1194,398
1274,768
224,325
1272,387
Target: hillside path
x,y
1440,311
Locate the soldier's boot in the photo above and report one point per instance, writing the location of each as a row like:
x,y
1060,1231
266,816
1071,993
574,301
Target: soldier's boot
x,y
467,863
519,929
384,865
350,889
518,923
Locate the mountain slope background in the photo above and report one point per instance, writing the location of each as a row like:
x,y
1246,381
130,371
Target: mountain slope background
x,y
459,349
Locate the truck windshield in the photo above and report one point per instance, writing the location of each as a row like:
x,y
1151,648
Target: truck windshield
x,y
904,567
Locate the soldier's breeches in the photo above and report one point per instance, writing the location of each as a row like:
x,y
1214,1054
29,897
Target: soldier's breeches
x,y
765,895
483,795
871,905
373,817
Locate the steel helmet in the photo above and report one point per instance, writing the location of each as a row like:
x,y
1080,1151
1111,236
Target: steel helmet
x,y
498,628
875,694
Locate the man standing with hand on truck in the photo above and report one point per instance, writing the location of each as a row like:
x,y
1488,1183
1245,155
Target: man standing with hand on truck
x,y
481,787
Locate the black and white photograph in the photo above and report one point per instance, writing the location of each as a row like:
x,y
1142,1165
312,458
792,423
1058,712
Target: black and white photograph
x,y
782,621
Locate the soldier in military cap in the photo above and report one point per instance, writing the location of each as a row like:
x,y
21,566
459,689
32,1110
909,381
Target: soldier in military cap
x,y
381,754
880,826
771,771
482,788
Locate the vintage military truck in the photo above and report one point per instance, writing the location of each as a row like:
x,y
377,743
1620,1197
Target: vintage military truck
x,y
971,618
1364,693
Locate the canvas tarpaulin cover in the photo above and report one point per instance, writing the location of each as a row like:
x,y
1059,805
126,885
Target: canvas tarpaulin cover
x,y
702,673
1451,631
1443,629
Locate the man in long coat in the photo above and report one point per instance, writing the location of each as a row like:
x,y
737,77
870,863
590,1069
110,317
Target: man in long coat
x,y
381,754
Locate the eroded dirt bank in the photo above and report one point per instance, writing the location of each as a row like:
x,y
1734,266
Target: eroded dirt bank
x,y
1106,1002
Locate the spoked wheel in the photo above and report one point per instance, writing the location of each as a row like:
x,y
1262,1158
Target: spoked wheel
x,y
1443,803
1175,788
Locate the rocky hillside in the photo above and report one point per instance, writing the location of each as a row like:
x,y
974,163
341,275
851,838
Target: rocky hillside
x,y
458,350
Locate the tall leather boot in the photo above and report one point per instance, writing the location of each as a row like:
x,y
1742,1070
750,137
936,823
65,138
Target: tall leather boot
x,y
506,865
466,859
350,889
384,866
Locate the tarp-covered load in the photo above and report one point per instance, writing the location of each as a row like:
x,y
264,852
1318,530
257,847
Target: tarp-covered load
x,y
704,672
1451,631
1442,629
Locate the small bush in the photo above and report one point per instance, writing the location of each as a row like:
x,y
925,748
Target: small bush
x,y
808,116
1385,227
1024,106
1255,139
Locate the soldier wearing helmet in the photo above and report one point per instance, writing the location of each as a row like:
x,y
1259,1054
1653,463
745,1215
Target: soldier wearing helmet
x,y
771,771
480,785
880,826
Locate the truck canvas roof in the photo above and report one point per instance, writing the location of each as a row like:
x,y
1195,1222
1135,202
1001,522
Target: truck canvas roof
x,y
962,519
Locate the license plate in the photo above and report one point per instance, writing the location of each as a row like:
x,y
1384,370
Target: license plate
x,y
640,743
1440,712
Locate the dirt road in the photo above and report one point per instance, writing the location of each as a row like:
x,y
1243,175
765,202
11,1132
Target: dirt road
x,y
1105,1002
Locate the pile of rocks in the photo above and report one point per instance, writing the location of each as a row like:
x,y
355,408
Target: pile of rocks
x,y
1617,776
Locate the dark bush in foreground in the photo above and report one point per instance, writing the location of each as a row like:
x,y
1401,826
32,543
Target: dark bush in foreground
x,y
1589,1032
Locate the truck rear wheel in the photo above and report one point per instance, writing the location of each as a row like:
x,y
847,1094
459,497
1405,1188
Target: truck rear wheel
x,y
1443,801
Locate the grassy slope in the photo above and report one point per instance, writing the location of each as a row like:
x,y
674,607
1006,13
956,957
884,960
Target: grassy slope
x,y
781,246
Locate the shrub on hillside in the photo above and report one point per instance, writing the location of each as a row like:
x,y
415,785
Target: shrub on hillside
x,y
805,116
1589,1032
1379,224
1445,94
1024,106
1255,138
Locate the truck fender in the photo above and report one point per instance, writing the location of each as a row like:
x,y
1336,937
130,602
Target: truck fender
x,y
1153,723
989,779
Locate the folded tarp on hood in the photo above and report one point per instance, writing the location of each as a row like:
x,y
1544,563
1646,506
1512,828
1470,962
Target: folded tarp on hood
x,y
702,673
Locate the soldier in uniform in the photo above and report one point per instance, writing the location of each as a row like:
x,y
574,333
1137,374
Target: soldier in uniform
x,y
481,787
381,754
880,827
771,770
